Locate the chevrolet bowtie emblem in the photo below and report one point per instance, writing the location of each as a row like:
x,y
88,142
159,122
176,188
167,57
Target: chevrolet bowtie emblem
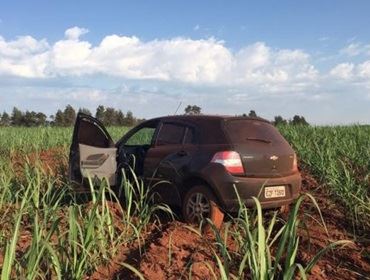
x,y
274,157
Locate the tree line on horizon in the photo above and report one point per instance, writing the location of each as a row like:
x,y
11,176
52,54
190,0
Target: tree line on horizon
x,y
64,118
278,120
109,116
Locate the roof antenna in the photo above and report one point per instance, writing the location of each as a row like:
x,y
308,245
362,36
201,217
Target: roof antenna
x,y
178,107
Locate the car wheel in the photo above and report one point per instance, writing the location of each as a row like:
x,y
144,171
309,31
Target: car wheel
x,y
199,204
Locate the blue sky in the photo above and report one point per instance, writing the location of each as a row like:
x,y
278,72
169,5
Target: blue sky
x,y
276,57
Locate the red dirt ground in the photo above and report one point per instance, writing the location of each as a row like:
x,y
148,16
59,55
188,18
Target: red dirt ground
x,y
171,250
350,262
52,161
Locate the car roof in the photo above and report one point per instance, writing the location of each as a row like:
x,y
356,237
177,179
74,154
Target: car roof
x,y
195,118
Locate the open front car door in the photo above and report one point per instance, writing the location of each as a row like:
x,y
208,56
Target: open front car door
x,y
92,153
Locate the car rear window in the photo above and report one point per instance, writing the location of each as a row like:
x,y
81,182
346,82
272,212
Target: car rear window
x,y
241,131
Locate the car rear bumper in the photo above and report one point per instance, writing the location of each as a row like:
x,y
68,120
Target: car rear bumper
x,y
226,185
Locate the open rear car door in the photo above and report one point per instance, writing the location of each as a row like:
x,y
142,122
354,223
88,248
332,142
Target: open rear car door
x,y
92,153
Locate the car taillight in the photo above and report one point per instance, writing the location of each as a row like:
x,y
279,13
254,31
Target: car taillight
x,y
295,165
231,160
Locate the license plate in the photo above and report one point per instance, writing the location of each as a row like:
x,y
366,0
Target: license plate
x,y
275,191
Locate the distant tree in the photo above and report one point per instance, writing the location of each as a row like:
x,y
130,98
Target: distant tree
x,y
69,116
85,111
138,121
129,119
16,117
59,118
41,119
110,116
100,112
252,114
52,120
5,119
298,120
193,110
279,120
29,118
120,118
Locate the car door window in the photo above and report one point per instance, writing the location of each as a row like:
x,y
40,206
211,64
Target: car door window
x,y
170,134
141,137
91,133
189,136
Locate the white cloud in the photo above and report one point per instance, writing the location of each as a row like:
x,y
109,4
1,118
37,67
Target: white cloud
x,y
74,95
343,71
68,57
364,69
178,59
203,61
25,56
355,49
354,72
204,71
75,32
274,70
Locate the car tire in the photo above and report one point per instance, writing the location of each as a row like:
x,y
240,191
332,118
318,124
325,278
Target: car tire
x,y
199,204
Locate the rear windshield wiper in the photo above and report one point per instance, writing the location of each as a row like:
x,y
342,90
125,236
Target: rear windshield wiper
x,y
259,139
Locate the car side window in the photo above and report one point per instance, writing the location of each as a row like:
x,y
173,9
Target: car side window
x,y
189,136
170,134
141,137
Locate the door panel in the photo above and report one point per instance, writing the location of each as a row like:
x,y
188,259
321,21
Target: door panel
x,y
167,162
98,163
163,169
92,149
169,140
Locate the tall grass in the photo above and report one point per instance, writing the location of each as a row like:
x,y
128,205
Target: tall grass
x,y
339,157
31,139
265,248
50,233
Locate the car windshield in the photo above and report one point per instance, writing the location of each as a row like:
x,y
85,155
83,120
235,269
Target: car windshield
x,y
241,131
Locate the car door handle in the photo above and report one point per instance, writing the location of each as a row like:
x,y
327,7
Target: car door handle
x,y
182,153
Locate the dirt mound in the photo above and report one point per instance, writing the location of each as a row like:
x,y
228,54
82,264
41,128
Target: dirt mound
x,y
174,253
